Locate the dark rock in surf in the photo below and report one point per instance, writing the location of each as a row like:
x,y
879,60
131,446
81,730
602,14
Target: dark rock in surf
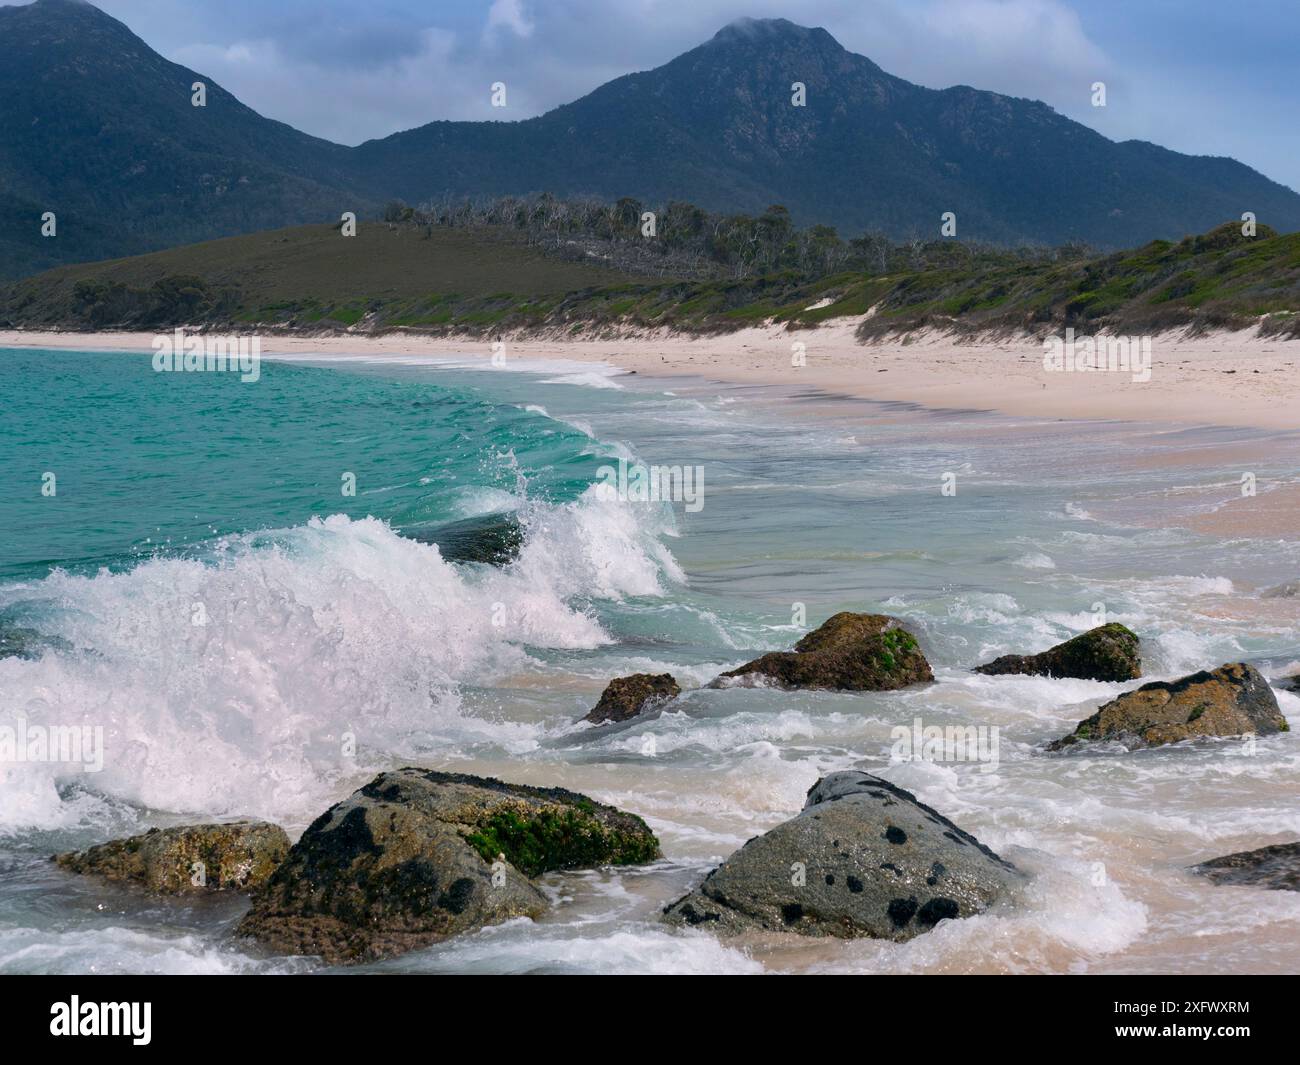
x,y
1108,652
626,697
863,858
19,642
494,539
848,652
417,856
188,860
1276,867
1230,701
1289,590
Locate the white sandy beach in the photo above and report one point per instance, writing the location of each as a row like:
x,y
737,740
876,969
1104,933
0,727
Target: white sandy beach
x,y
1230,379
815,498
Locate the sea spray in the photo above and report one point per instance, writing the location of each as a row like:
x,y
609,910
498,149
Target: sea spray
x,y
339,628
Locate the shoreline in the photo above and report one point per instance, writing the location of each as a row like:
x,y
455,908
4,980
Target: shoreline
x,y
1222,379
746,759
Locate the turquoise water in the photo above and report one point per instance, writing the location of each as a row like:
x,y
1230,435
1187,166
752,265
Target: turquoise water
x,y
149,464
201,588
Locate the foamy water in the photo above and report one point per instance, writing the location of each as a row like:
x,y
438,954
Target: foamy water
x,y
321,621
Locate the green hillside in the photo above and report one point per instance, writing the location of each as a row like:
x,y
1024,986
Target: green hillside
x,y
484,280
304,277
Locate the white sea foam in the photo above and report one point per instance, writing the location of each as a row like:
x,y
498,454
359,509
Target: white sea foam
x,y
230,686
557,371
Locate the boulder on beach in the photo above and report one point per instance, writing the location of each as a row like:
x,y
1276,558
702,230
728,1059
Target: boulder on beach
x,y
1108,652
863,858
1232,700
1276,867
188,860
417,856
848,652
626,697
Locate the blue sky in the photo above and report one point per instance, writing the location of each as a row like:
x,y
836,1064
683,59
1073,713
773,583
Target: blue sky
x,y
1200,76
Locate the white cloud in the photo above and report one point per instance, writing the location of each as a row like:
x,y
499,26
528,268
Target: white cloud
x,y
508,15
348,105
1031,48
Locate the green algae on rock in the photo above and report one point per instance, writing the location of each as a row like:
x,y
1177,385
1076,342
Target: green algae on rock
x,y
1109,652
848,652
626,697
187,860
417,856
1232,700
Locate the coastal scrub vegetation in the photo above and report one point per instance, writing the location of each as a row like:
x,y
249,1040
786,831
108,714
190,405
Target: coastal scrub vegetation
x,y
584,267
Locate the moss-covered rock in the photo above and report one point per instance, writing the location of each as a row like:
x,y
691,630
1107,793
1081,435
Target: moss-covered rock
x,y
417,856
863,858
626,697
1276,867
848,652
1230,701
1108,652
191,859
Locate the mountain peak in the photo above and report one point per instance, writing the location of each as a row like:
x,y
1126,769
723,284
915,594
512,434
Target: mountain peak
x,y
61,15
80,7
771,31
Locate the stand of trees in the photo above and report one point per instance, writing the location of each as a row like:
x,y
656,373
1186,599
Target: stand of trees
x,y
689,242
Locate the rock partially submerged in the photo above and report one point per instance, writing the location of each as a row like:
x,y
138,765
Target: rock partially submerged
x,y
863,858
1289,590
20,642
1276,867
626,697
849,652
416,856
191,859
1108,652
494,539
1232,700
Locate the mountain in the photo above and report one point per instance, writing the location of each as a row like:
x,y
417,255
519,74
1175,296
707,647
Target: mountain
x,y
99,128
869,151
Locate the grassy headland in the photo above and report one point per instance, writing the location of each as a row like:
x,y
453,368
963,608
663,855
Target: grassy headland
x,y
585,269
